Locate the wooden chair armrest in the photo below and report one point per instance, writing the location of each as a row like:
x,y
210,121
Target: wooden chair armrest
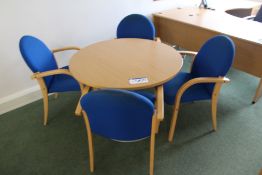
x,y
209,80
65,48
160,103
200,80
158,39
51,72
192,53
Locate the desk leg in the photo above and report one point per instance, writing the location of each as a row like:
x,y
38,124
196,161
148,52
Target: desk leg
x,y
258,92
159,103
79,108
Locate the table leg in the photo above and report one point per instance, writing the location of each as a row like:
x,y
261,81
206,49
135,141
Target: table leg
x,y
79,108
258,92
159,103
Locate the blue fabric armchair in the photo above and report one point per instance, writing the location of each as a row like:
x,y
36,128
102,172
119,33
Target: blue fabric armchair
x,y
207,75
42,63
119,115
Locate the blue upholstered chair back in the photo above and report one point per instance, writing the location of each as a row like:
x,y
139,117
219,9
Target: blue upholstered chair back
x,y
136,26
37,56
118,114
258,16
214,58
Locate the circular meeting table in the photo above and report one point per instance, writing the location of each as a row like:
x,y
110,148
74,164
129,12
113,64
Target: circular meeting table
x,y
130,64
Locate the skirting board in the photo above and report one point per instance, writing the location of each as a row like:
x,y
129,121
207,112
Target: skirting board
x,y
19,99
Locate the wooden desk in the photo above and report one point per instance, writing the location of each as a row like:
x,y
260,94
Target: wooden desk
x,y
191,27
110,64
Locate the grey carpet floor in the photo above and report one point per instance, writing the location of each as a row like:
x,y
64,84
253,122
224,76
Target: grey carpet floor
x,y
61,148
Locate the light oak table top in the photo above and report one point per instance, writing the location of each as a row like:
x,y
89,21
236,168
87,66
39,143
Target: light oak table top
x,y
112,63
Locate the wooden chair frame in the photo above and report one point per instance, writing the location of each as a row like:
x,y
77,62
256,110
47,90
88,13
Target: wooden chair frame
x,y
158,116
39,76
155,120
218,84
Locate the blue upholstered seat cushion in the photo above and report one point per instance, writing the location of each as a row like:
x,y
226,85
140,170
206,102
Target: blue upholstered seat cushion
x,y
136,26
63,83
118,114
194,93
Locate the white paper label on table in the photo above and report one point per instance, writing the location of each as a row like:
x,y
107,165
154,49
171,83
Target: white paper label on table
x,y
138,80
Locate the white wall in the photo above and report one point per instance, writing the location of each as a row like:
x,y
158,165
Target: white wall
x,y
59,23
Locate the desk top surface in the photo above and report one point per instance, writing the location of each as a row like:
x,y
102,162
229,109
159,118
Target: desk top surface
x,y
112,63
216,20
224,5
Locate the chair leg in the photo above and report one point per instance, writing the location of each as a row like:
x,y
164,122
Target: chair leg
x,y
214,113
90,142
152,145
215,94
84,91
45,100
157,126
173,124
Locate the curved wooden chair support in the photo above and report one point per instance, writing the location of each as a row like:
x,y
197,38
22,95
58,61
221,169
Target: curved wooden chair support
x,y
218,83
44,91
84,91
51,72
65,48
40,78
154,129
90,142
